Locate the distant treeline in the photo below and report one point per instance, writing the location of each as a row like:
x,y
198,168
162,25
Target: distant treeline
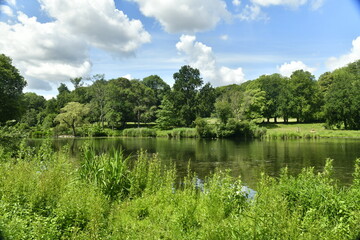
x,y
334,99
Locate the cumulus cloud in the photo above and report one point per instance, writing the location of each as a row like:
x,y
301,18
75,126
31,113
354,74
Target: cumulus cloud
x,y
6,10
52,52
41,50
200,56
185,15
99,23
354,54
288,68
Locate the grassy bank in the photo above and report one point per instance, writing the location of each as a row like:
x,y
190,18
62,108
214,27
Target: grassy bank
x,y
46,195
305,130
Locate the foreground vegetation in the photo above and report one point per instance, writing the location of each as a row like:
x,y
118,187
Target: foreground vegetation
x,y
46,195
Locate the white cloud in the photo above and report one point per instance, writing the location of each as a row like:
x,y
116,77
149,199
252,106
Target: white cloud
x,y
185,15
52,52
288,68
127,76
236,3
200,56
99,23
315,4
252,13
230,76
6,10
11,2
354,54
40,50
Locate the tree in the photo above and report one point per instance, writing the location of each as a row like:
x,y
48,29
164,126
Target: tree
x,y
272,86
253,104
11,90
167,116
34,105
205,100
143,99
73,115
77,82
99,94
159,87
223,110
185,89
119,104
305,96
63,96
342,102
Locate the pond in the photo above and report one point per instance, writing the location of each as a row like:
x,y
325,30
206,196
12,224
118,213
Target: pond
x,y
247,158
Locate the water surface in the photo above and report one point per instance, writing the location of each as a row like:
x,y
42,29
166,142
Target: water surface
x,y
247,158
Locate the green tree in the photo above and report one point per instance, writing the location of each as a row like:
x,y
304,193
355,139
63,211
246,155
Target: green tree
x,y
34,105
73,115
160,88
167,116
99,96
272,86
119,103
205,100
223,110
253,104
63,96
77,82
305,96
342,102
11,90
185,90
143,99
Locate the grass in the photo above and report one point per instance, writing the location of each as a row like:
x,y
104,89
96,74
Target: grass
x,y
305,130
45,195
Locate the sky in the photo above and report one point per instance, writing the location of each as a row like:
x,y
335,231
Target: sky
x,y
229,41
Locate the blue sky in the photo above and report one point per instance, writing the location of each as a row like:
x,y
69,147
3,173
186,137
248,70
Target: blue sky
x,y
232,41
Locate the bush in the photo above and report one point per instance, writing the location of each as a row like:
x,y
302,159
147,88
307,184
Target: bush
x,y
139,132
203,129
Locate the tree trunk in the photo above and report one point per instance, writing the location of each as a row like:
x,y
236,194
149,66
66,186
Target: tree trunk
x,y
275,119
73,129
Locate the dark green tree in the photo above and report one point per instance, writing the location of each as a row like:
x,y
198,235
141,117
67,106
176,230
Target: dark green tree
x,y
305,96
185,90
11,90
159,87
143,99
272,86
205,101
34,106
342,101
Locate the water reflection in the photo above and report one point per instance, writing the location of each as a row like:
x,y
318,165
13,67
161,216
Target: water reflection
x,y
245,158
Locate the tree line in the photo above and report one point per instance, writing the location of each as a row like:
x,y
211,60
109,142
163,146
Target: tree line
x,y
333,99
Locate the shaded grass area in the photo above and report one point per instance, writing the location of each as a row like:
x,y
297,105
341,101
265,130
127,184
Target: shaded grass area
x,y
305,130
45,195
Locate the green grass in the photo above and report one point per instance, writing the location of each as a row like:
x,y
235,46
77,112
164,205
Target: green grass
x,y
45,195
306,130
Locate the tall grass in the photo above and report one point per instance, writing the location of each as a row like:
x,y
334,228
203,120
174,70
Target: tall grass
x,y
111,196
139,132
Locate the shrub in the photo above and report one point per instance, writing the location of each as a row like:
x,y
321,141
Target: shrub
x,y
139,132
